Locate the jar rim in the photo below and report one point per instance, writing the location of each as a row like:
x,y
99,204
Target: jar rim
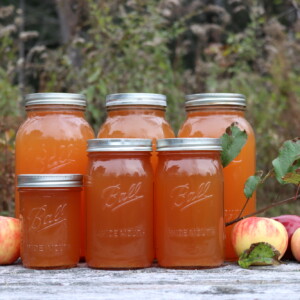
x,y
189,144
49,180
150,99
119,144
203,99
55,98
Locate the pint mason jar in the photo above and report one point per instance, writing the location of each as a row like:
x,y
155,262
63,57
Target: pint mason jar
x,y
208,115
49,214
137,115
119,189
189,203
53,139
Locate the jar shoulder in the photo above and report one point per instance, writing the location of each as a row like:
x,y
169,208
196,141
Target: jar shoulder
x,y
56,126
212,125
116,165
136,126
189,164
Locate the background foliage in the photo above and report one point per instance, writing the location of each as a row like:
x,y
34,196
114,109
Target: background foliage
x,y
174,47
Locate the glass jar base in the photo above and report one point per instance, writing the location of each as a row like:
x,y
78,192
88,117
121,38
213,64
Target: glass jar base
x,y
192,267
50,267
120,268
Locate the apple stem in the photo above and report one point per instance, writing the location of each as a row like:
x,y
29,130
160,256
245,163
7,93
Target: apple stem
x,y
294,198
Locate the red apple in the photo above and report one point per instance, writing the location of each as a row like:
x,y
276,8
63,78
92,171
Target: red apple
x,y
295,244
255,230
10,236
291,223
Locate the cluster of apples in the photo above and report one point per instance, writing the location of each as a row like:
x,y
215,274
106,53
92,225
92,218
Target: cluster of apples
x,y
282,232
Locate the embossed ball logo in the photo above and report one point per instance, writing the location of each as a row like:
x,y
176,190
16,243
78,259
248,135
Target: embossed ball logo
x,y
115,196
41,218
185,196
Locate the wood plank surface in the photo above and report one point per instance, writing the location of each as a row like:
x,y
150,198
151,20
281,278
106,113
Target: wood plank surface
x,y
227,282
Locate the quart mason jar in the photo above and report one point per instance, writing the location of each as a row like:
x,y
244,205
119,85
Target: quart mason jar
x,y
119,204
136,115
208,115
49,214
189,203
53,139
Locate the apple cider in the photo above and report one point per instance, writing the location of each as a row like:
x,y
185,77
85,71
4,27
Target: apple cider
x,y
189,203
208,115
53,139
136,115
119,189
49,214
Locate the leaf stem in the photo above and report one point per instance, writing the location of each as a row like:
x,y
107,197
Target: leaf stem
x,y
242,210
269,174
294,198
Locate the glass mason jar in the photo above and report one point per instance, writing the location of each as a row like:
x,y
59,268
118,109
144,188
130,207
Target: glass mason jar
x,y
208,115
53,138
49,213
189,203
136,115
119,189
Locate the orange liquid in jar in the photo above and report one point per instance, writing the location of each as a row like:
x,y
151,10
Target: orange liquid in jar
x,y
53,140
137,121
212,122
119,210
50,227
189,209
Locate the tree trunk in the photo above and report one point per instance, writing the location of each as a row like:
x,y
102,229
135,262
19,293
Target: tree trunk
x,y
68,19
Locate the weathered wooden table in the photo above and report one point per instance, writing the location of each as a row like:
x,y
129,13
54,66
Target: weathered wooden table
x,y
227,282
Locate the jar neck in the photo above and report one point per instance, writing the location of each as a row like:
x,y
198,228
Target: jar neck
x,y
52,188
119,154
216,109
33,110
190,154
136,109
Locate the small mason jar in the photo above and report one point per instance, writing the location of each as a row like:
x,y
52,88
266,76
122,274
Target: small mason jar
x,y
119,189
208,115
49,215
189,203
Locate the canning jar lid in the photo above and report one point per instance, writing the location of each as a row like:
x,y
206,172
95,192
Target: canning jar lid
x,y
183,144
122,145
136,99
215,99
55,98
50,180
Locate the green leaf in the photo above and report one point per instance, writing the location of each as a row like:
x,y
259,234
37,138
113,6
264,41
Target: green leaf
x,y
102,87
292,177
252,184
232,142
288,160
259,254
90,92
94,76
